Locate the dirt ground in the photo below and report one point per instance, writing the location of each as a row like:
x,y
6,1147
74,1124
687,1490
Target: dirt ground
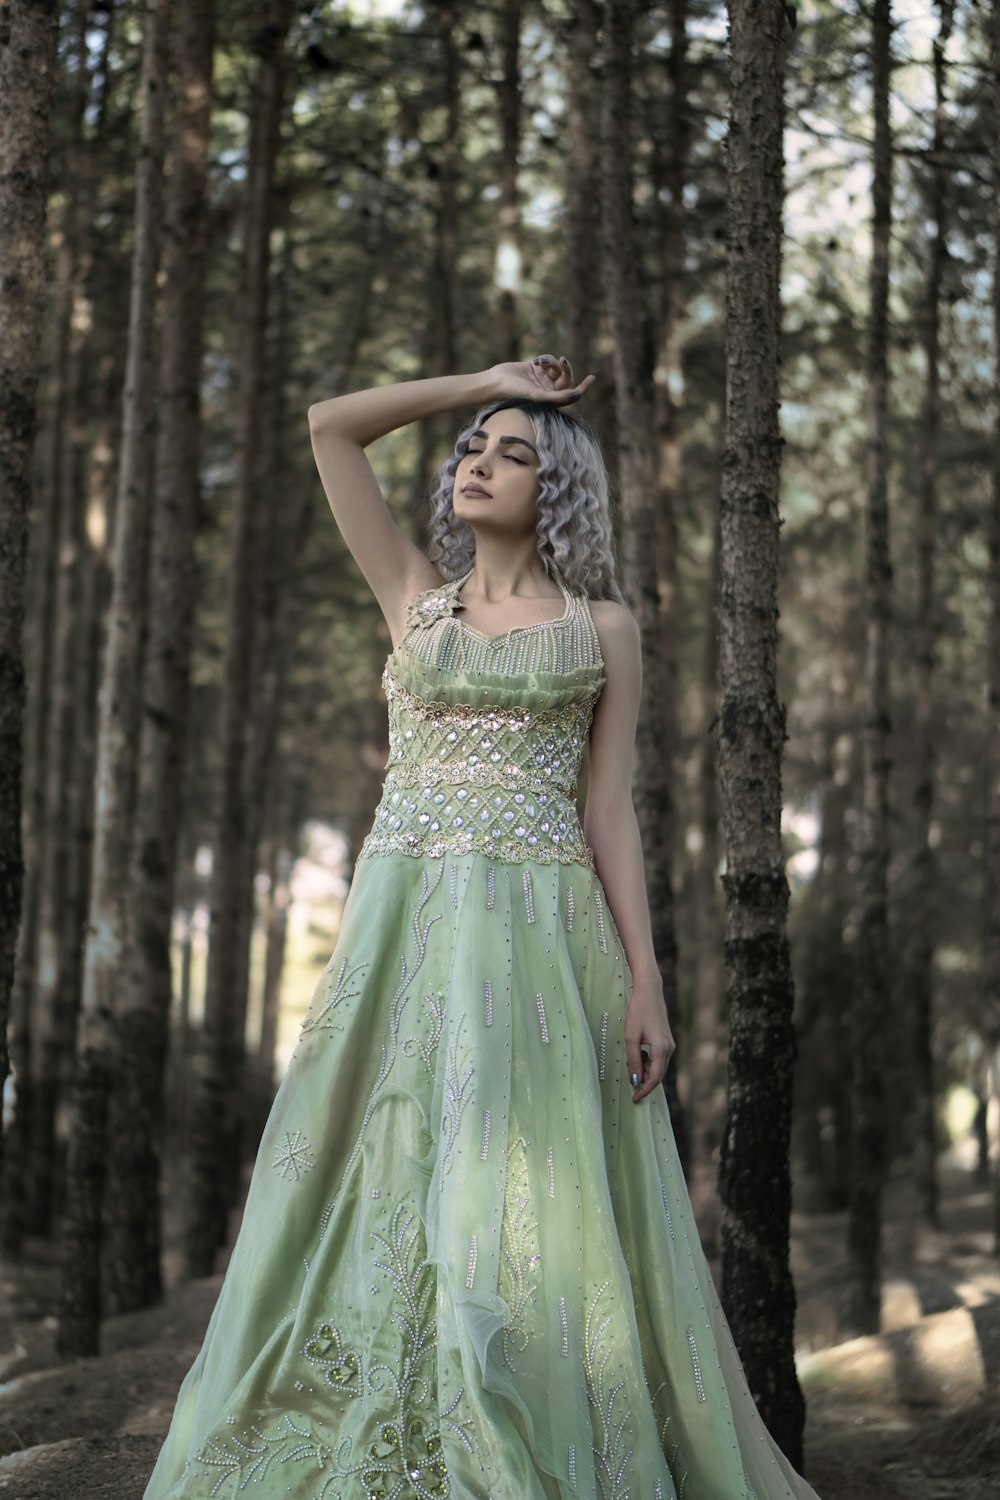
x,y
911,1415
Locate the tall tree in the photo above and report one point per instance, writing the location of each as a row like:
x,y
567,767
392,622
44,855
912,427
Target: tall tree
x,y
862,1293
707,1031
27,87
922,905
509,253
442,163
120,717
117,740
48,739
668,406
754,1179
583,279
991,945
132,1203
216,1114
632,347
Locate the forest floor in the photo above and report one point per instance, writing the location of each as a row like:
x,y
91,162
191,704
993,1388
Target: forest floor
x,y
912,1413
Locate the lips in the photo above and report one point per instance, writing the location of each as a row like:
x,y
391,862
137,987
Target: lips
x,y
476,489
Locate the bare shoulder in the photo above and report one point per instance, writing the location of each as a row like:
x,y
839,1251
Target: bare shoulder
x,y
617,629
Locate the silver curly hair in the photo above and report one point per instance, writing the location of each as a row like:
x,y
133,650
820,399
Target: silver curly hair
x,y
574,535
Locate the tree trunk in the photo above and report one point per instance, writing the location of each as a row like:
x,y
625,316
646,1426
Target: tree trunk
x,y
27,90
132,1217
862,1293
509,251
668,389
652,792
921,1134
283,862
991,936
583,280
120,718
27,1193
45,988
440,353
754,1179
707,1033
219,1065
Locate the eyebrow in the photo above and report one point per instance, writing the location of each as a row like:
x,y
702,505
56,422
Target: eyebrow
x,y
481,432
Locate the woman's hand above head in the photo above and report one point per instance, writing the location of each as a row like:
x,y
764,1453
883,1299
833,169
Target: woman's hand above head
x,y
543,379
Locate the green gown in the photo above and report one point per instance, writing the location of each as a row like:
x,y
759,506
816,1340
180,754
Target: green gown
x,y
468,1264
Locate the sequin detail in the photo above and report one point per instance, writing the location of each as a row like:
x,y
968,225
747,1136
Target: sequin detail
x,y
529,905
696,1362
402,1451
458,1091
324,1018
550,1166
571,1463
603,1055
540,1007
601,935
519,1254
470,1274
666,1210
484,1149
491,886
610,1427
440,636
293,1156
569,908
340,1367
487,1002
500,779
564,1326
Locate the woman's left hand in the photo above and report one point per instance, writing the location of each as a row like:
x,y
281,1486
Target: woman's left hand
x,y
543,379
646,1023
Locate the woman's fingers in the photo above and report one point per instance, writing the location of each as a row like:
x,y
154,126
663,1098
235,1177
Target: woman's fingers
x,y
654,1057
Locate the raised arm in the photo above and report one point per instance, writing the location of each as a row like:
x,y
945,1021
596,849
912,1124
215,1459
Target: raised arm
x,y
343,426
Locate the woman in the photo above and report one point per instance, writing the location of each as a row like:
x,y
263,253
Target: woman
x,y
468,1264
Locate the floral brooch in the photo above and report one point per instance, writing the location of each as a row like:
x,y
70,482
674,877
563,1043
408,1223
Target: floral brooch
x,y
426,609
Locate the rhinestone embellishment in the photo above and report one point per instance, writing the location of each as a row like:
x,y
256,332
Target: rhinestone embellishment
x,y
540,1004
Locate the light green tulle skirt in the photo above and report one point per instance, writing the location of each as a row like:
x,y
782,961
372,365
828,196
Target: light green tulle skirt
x,y
468,1264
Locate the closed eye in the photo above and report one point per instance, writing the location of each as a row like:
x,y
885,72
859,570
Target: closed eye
x,y
475,452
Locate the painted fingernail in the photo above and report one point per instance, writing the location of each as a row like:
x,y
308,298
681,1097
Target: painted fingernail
x,y
633,1079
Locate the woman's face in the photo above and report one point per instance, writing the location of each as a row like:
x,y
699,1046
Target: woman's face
x,y
496,484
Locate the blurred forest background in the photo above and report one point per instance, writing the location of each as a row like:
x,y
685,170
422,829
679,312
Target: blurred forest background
x,y
252,207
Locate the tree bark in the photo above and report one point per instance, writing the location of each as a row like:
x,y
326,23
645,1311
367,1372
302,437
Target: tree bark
x,y
862,1292
279,900
439,335
754,1178
640,499
27,90
707,1042
921,1135
215,1128
132,1217
120,710
583,283
991,935
509,252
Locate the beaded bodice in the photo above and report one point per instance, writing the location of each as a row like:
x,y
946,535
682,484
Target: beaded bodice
x,y
486,734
